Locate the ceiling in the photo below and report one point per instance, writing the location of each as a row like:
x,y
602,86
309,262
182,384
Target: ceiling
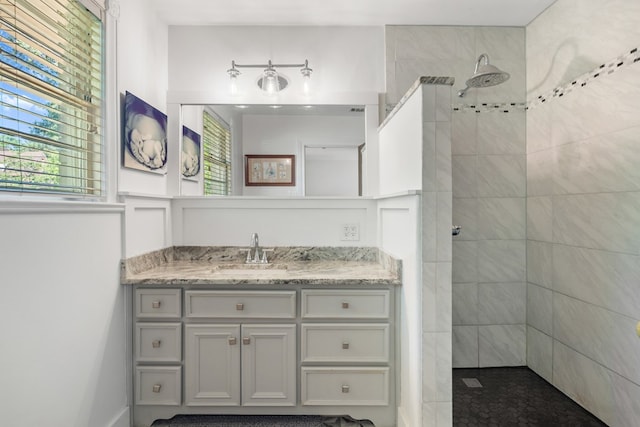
x,y
349,12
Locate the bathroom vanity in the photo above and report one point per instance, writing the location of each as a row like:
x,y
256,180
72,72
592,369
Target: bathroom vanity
x,y
311,332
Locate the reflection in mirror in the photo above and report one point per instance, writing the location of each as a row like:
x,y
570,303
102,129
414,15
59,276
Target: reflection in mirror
x,y
324,139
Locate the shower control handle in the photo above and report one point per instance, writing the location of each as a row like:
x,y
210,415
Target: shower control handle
x,y
455,230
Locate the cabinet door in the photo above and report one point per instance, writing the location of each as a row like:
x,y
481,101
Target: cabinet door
x,y
212,365
268,365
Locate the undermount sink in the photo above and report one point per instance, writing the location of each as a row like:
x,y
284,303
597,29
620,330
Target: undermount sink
x,y
243,267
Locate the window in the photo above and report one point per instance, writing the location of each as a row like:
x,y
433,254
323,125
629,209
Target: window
x,y
50,98
217,155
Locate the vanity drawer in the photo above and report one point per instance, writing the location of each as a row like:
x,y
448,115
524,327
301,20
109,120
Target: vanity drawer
x,y
158,303
241,304
345,304
338,342
158,385
345,386
158,342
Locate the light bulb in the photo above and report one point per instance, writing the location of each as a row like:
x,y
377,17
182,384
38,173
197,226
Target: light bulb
x,y
233,85
270,83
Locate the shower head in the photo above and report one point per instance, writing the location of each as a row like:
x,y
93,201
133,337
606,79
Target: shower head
x,y
484,75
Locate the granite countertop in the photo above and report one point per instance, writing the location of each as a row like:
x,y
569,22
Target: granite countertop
x,y
196,265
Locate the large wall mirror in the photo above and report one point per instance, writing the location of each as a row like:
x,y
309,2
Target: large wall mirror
x,y
328,142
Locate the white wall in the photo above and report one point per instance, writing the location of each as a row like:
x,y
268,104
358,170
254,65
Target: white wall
x,y
142,63
421,235
400,143
489,181
583,205
62,315
331,171
230,221
343,59
267,134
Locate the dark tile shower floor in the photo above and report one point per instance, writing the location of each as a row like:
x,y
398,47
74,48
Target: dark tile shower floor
x,y
514,397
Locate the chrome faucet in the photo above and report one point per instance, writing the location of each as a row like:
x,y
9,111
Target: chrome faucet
x,y
259,255
255,245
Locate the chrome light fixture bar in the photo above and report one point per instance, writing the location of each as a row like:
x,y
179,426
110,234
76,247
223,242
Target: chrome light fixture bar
x,y
271,81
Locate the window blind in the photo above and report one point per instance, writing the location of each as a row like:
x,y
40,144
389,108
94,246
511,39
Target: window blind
x,y
216,156
50,97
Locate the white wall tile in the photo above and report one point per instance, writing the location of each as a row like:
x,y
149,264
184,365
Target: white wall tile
x,y
585,381
540,353
607,279
540,308
539,218
436,374
436,296
500,42
465,213
540,263
501,218
429,226
609,221
602,335
444,223
464,132
429,157
626,396
502,303
540,173
443,157
501,176
464,175
501,261
465,346
501,133
502,345
465,304
465,261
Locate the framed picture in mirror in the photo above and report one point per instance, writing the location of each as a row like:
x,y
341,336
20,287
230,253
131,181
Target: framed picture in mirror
x,y
269,169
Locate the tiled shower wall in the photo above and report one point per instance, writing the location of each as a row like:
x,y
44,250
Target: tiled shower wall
x,y
489,182
583,203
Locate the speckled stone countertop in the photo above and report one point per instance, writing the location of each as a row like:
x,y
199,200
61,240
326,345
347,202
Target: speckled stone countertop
x,y
197,265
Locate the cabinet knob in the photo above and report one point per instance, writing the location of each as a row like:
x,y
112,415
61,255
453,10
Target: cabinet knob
x,y
246,340
240,306
345,345
345,389
156,388
345,305
233,341
156,304
156,343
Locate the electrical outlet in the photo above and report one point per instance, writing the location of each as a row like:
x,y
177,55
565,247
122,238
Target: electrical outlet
x,y
350,232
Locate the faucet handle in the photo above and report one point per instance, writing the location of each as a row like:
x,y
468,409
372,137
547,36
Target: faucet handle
x,y
264,255
248,255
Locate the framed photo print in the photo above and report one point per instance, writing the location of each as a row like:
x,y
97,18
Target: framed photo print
x,y
270,170
190,154
144,143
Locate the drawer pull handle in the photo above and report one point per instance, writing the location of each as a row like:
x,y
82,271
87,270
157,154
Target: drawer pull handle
x,y
156,343
156,388
233,341
345,389
345,345
156,304
240,306
345,305
246,340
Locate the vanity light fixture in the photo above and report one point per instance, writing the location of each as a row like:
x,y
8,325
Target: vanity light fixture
x,y
270,81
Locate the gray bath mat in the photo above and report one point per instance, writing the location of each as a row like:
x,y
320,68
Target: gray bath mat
x,y
261,421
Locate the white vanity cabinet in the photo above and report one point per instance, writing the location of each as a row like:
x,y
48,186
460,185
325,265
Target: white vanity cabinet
x,y
264,350
345,347
247,363
158,347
